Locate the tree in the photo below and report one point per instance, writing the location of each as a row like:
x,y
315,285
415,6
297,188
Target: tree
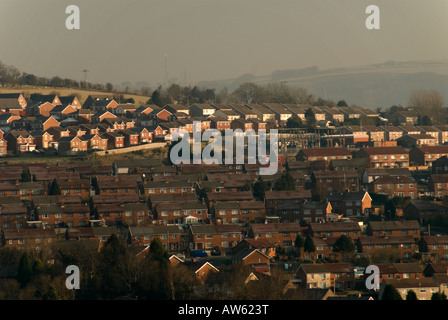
x,y
260,188
25,271
410,295
438,296
249,93
156,98
285,182
109,87
310,118
25,176
344,244
299,243
429,103
294,122
308,245
342,103
391,293
54,188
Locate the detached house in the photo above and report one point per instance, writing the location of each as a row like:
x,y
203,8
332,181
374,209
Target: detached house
x,y
20,141
8,100
71,144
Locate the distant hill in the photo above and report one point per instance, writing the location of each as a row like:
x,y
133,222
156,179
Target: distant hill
x,y
376,85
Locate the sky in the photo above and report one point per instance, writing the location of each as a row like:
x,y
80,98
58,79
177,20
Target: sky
x,y
188,41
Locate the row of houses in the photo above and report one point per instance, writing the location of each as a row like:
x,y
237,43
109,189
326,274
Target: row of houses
x,y
405,135
323,280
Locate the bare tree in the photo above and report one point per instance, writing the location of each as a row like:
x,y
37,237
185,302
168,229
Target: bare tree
x,y
429,103
250,93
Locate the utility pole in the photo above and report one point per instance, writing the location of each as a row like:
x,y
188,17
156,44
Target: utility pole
x,y
85,71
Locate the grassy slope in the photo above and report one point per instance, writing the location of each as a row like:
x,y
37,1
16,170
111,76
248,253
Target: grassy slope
x,y
81,94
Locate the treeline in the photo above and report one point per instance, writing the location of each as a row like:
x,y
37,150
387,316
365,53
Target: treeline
x,y
11,76
121,272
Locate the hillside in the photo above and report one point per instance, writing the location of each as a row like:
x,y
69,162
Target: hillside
x,y
80,93
376,85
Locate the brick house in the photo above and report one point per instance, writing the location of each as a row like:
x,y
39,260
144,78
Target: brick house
x,y
323,154
181,212
76,215
43,139
309,211
71,144
168,186
438,185
440,165
413,140
394,228
20,141
255,258
335,230
392,133
273,199
29,238
212,198
117,185
402,247
351,203
71,100
335,181
114,140
131,138
95,142
265,246
75,187
326,275
219,123
13,216
201,110
408,270
8,100
435,246
58,132
423,287
384,157
238,211
3,147
443,133
422,211
400,186
144,136
208,237
282,234
171,237
425,155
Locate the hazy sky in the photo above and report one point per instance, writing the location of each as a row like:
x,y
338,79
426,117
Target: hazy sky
x,y
125,40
